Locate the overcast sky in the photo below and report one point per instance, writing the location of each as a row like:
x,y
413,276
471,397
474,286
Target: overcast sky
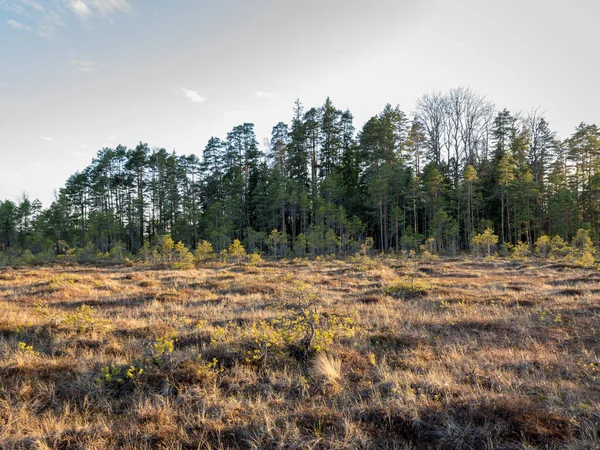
x,y
79,75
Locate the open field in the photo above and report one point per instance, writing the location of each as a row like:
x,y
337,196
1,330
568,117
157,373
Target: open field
x,y
329,354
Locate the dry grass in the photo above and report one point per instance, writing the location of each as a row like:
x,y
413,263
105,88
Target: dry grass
x,y
492,354
328,368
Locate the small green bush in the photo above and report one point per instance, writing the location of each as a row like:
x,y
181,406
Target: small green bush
x,y
408,288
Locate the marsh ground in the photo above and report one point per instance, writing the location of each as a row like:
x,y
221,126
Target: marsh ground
x,y
328,354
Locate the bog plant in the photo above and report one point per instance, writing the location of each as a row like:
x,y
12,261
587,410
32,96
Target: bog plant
x,y
543,246
299,330
164,345
582,250
117,375
558,248
25,349
167,253
59,281
361,261
254,259
586,260
520,251
237,251
204,370
408,288
204,252
484,241
183,259
86,319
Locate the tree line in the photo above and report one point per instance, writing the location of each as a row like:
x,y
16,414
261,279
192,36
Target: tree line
x,y
452,169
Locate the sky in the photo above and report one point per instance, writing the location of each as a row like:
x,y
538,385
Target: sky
x,y
80,75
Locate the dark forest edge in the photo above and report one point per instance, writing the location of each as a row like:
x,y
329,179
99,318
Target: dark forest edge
x,y
456,177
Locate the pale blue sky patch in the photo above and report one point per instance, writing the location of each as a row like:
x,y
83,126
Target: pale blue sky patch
x,y
263,94
81,65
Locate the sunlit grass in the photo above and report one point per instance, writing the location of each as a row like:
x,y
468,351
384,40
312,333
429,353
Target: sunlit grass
x,y
301,354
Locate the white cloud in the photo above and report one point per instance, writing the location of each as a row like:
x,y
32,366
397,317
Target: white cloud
x,y
112,138
46,138
50,15
85,9
263,94
81,65
33,5
193,96
80,8
18,25
106,7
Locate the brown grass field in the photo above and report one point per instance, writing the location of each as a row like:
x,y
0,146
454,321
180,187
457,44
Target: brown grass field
x,y
456,354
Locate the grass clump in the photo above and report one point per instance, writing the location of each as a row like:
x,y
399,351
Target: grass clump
x,y
328,368
408,288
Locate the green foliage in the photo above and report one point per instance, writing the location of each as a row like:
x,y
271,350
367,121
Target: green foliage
x,y
582,249
308,331
59,281
362,263
585,259
366,247
113,376
408,288
86,319
27,349
165,252
302,326
277,242
254,259
237,251
118,253
485,240
300,245
521,250
224,256
164,345
582,242
183,259
204,252
165,247
558,248
543,246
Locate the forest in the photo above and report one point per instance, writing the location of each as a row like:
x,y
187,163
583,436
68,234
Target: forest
x,y
437,177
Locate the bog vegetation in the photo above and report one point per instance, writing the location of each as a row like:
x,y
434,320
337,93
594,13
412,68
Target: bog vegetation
x,y
366,352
